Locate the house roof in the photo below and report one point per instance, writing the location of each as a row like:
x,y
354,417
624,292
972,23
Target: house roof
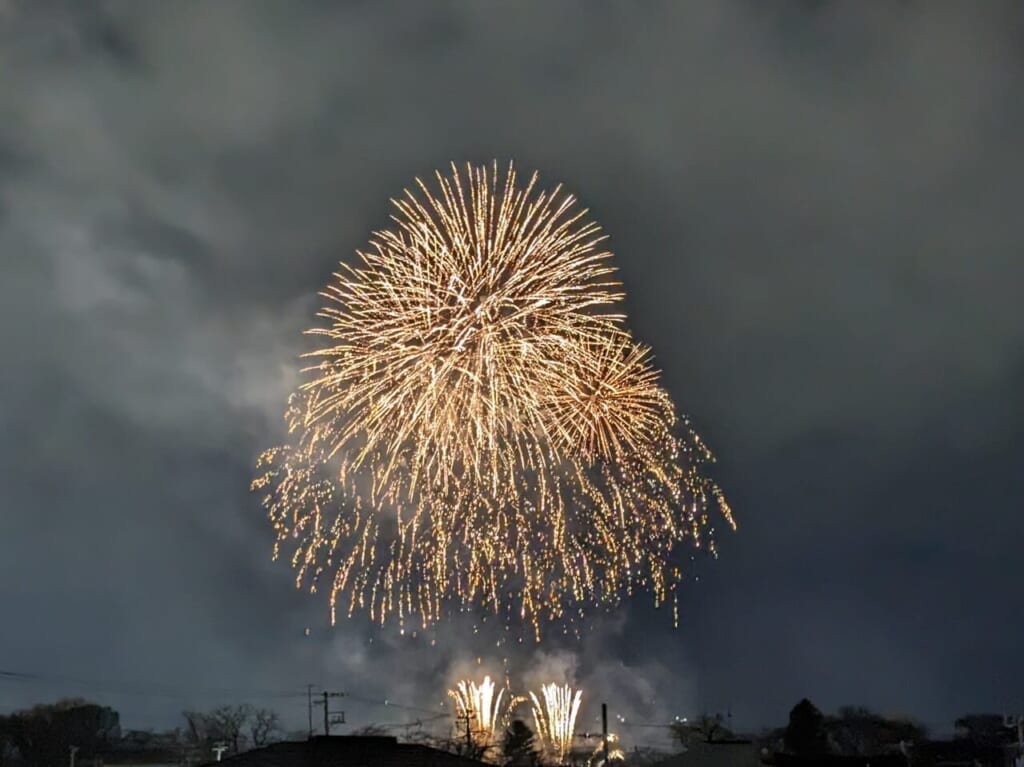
x,y
347,751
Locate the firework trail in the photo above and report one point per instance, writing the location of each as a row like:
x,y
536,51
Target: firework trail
x,y
554,714
478,428
487,709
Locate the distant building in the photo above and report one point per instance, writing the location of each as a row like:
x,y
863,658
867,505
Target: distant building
x,y
137,758
836,760
961,752
981,740
346,751
722,753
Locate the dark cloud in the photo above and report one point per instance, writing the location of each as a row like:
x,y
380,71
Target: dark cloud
x,y
815,208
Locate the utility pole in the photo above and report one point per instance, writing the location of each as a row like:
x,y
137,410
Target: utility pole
x,y
1020,740
72,750
469,737
339,716
604,731
309,696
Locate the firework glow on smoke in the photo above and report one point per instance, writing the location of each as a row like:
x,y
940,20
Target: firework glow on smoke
x,y
485,708
478,428
615,752
554,714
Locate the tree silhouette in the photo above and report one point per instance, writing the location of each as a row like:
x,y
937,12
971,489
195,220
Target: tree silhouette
x,y
264,727
518,747
706,728
985,729
856,730
370,731
805,733
43,734
235,726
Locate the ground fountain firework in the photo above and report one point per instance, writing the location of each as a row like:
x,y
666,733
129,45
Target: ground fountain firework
x,y
478,429
486,709
554,715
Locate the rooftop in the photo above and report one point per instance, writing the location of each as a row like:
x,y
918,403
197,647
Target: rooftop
x,y
347,751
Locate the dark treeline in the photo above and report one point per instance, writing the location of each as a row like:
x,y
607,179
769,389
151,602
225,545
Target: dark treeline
x,y
80,733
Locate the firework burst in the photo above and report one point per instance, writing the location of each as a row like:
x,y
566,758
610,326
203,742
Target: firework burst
x,y
554,714
486,709
478,427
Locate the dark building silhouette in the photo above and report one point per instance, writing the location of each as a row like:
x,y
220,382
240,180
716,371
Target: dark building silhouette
x,y
961,753
732,752
346,751
835,760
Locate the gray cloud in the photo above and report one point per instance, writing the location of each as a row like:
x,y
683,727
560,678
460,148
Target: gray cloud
x,y
815,211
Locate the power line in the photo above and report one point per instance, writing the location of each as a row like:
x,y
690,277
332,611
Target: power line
x,y
155,689
15,675
388,703
644,724
144,689
163,690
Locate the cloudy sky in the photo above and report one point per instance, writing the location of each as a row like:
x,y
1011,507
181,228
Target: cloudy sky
x,y
815,208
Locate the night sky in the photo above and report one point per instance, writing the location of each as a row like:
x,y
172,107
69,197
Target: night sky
x,y
816,212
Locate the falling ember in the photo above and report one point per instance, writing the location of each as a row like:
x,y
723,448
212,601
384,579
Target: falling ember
x,y
554,714
478,428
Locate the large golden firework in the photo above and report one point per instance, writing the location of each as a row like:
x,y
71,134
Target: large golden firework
x,y
554,714
478,427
